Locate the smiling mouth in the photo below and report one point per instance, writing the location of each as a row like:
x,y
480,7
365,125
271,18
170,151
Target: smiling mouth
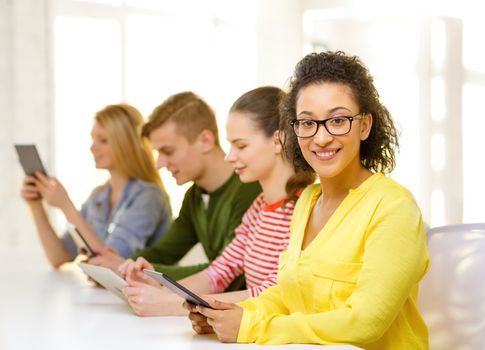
x,y
239,170
326,154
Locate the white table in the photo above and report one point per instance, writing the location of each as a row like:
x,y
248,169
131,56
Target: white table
x,y
41,308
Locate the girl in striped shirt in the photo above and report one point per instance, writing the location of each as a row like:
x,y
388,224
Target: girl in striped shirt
x,y
256,155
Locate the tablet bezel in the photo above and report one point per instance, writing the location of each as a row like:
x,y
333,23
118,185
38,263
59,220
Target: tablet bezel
x,y
105,277
29,159
90,252
177,288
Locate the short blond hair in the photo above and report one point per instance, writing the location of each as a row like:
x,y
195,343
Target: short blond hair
x,y
190,113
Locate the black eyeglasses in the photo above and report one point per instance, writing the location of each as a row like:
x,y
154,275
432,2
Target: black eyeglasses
x,y
336,126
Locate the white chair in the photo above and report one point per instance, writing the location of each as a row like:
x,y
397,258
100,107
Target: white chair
x,y
452,294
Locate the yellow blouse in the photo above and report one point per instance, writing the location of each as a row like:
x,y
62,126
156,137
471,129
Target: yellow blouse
x,y
355,283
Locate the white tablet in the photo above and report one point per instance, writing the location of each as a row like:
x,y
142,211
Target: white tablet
x,y
105,277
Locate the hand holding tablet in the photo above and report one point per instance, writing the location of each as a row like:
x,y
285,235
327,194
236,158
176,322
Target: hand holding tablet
x,y
177,288
105,277
81,241
29,159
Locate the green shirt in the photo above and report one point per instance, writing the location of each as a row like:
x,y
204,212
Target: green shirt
x,y
212,227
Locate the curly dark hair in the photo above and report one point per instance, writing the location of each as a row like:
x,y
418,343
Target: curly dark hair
x,y
377,152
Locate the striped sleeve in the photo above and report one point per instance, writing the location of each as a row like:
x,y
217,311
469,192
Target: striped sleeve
x,y
263,234
223,270
274,233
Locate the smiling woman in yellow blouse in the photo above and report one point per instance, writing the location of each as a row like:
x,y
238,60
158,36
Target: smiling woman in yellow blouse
x,y
357,249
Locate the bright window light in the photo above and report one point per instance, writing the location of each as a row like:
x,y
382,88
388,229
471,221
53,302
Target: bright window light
x,y
438,43
235,48
142,57
87,77
236,12
438,152
473,144
473,53
102,2
179,6
437,208
166,55
438,106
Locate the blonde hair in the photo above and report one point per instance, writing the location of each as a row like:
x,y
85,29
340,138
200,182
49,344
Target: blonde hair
x,y
190,113
131,152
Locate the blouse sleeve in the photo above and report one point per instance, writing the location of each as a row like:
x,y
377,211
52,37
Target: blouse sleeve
x,y
395,259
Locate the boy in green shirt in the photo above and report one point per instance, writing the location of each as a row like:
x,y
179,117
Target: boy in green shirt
x,y
183,130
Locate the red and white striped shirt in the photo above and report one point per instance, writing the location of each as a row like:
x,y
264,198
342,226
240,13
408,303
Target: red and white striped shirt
x,y
259,239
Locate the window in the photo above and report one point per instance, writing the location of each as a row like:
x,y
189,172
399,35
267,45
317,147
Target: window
x,y
429,71
140,52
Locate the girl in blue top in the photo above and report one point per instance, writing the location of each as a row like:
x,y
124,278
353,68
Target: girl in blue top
x,y
126,213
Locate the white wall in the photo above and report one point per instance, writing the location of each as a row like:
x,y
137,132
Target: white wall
x,y
27,78
280,40
429,68
25,102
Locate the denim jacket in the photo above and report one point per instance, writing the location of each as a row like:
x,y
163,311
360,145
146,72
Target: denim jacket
x,y
141,217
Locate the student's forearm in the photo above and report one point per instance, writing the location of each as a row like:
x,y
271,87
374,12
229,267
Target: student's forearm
x,y
53,246
232,297
178,272
74,217
173,306
198,283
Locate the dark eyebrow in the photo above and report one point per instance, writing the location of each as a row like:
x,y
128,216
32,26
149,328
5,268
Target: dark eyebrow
x,y
305,112
329,111
339,107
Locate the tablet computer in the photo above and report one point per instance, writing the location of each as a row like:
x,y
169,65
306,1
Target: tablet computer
x,y
177,288
81,242
105,277
29,159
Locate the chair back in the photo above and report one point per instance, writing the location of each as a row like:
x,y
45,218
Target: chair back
x,y
452,294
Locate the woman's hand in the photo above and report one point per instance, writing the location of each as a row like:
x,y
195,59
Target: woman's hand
x,y
146,299
133,271
107,257
199,321
52,191
29,192
224,318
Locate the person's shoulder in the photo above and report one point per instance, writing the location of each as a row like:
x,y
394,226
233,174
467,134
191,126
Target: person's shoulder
x,y
388,187
138,187
309,192
142,185
389,193
307,196
149,191
258,203
310,189
98,192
